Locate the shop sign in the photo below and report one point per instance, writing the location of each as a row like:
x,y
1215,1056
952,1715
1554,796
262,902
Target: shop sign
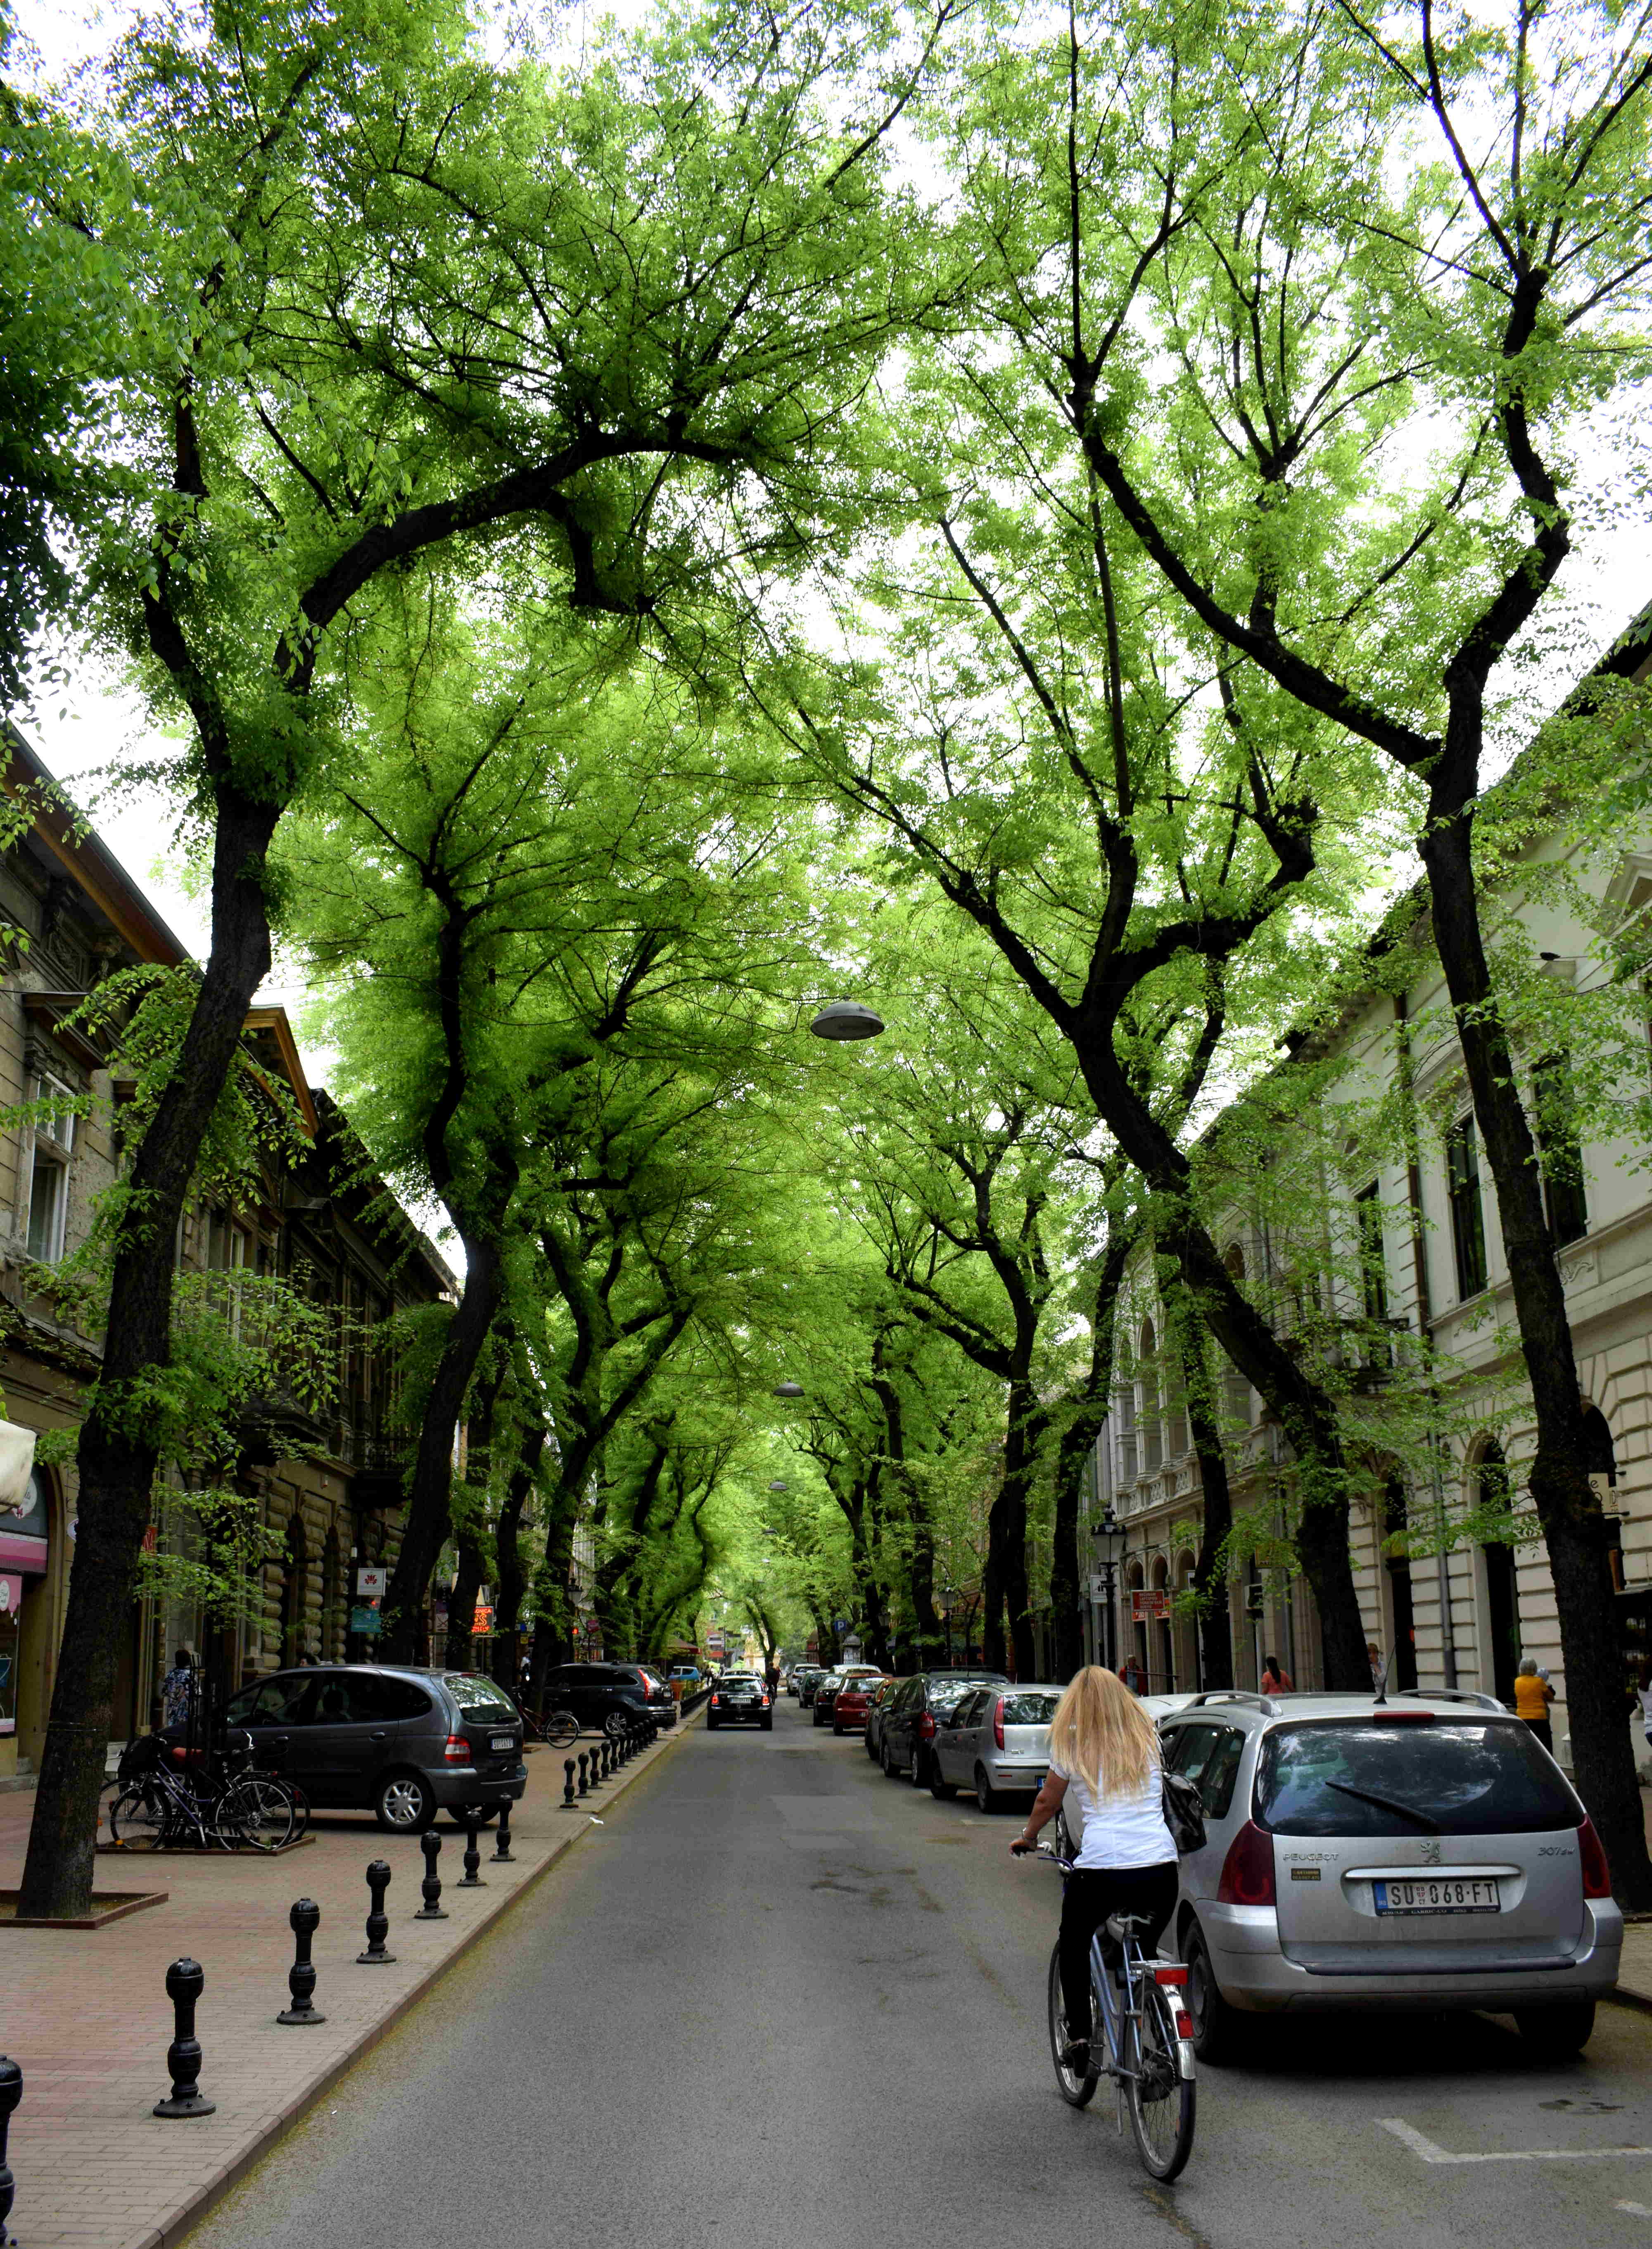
x,y
365,1620
483,1621
10,1596
1148,1602
374,1582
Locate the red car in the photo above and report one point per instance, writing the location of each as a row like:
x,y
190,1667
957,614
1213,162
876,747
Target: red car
x,y
854,1700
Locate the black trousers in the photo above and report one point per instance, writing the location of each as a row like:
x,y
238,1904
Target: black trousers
x,y
1091,1894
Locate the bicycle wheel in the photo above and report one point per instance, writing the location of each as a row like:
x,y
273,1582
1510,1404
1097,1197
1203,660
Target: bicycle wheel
x,y
1161,2099
561,1728
300,1809
1075,2090
256,1811
138,1819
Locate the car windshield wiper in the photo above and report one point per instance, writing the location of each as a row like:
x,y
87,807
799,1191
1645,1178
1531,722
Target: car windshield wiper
x,y
1389,1803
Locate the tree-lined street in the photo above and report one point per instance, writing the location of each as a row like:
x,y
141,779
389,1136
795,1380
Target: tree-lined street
x,y
779,1998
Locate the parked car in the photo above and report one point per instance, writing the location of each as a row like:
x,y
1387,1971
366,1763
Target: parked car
x,y
995,1741
739,1698
853,1700
808,1679
882,1697
1422,1854
689,1676
911,1718
828,1689
609,1696
401,1742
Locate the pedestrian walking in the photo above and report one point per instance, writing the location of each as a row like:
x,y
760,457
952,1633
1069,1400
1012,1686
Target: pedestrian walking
x,y
176,1689
1643,1689
1133,1675
1275,1679
1532,1696
1373,1657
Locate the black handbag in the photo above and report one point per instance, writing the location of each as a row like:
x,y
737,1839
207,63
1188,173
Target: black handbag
x,y
1184,1813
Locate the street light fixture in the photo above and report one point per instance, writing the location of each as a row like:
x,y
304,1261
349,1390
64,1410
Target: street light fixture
x,y
777,1485
1111,1538
787,1390
846,1019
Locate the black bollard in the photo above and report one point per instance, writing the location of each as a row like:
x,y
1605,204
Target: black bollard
x,y
599,1762
568,1784
502,1853
10,2094
185,1983
472,1857
583,1781
431,1887
304,1920
378,1921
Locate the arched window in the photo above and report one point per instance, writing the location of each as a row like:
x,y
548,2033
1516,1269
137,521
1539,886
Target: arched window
x,y
1152,1436
1235,1390
295,1570
1600,1454
333,1619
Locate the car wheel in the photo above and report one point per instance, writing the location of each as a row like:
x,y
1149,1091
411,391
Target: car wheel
x,y
615,1724
1561,2030
404,1803
915,1770
942,1790
1217,2032
712,1724
985,1794
872,1748
887,1762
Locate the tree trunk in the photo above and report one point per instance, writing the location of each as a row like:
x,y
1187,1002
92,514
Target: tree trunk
x,y
461,1613
117,1460
1567,1506
1077,1447
512,1578
1006,1588
1215,1622
1305,1412
426,1520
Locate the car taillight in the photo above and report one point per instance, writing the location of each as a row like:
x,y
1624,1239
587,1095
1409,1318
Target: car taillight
x,y
998,1722
762,1701
926,1727
717,1698
1597,1875
458,1751
1247,1872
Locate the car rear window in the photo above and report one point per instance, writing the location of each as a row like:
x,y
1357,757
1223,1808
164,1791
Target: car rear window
x,y
1030,1710
1371,1777
479,1697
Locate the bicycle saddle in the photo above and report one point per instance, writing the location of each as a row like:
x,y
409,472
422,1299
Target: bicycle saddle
x,y
1123,1925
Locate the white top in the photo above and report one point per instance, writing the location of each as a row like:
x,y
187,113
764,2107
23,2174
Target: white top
x,y
1646,1706
1121,1831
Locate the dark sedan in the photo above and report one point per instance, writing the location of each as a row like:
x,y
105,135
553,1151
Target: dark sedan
x,y
740,1699
910,1719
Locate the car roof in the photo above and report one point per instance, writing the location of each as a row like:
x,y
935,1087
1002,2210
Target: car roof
x,y
1257,1710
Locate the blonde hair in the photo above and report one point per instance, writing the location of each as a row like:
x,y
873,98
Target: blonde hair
x,y
1101,1732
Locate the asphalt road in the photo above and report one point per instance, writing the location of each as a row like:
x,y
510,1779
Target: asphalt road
x,y
776,1999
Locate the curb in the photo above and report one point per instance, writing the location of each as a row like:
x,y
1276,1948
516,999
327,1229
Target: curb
x,y
189,2214
1621,1996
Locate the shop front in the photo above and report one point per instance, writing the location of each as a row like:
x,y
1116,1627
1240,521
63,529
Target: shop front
x,y
26,1636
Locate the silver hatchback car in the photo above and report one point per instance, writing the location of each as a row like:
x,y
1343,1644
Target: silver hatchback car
x,y
1423,1853
995,1743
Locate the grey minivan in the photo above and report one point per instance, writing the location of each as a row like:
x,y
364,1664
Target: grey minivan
x,y
395,1740
1424,1853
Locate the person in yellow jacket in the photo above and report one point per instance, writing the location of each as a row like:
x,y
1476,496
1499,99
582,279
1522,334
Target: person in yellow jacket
x,y
1532,1696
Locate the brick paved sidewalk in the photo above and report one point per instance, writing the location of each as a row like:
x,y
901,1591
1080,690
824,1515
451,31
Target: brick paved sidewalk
x,y
85,2012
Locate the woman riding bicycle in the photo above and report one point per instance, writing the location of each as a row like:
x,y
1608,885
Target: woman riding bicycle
x,y
1104,1749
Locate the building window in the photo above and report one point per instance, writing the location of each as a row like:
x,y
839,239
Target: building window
x,y
1373,1278
49,1173
1152,1438
1468,1220
1560,1153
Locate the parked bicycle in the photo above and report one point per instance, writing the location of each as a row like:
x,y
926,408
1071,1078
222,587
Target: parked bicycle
x,y
165,1798
557,1727
1139,2011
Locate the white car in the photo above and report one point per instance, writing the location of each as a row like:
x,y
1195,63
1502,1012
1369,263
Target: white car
x,y
995,1743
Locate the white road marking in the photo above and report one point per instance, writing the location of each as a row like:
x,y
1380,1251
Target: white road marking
x,y
1634,2209
1430,2152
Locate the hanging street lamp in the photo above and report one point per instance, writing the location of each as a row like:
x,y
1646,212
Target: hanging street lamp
x,y
846,1019
787,1390
777,1485
1111,1538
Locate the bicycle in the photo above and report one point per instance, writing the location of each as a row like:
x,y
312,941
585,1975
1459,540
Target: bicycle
x,y
1139,2008
157,1806
557,1727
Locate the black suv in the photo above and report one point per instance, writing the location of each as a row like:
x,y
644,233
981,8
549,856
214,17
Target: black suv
x,y
607,1697
399,1741
909,1719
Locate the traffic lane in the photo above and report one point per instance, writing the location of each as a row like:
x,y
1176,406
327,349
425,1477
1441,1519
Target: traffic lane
x,y
779,1996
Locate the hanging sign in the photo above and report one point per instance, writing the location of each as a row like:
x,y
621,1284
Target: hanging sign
x,y
1148,1602
372,1583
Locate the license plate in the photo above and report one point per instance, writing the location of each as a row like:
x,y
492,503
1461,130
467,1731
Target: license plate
x,y
1439,1893
502,1742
